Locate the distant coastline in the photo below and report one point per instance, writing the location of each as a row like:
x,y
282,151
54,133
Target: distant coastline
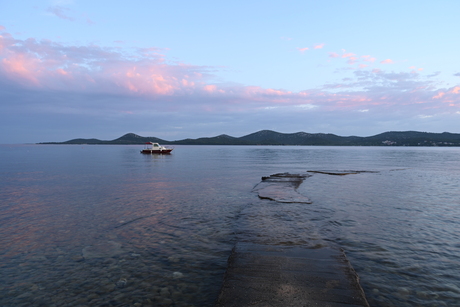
x,y
268,137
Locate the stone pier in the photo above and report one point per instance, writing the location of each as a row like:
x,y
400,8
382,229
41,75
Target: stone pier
x,y
263,275
278,275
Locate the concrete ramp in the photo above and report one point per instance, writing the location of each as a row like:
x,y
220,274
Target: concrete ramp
x,y
282,188
262,275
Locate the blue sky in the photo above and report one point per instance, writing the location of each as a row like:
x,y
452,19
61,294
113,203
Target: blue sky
x,y
180,69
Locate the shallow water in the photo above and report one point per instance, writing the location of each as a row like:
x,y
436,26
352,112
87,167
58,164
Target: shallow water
x,y
105,225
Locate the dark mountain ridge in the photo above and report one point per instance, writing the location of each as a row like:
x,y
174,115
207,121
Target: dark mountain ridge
x,y
269,137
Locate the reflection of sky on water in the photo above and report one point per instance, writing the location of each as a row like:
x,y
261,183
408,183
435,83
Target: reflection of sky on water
x,y
159,217
183,212
397,226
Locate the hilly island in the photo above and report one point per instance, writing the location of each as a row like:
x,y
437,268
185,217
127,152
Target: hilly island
x,y
268,137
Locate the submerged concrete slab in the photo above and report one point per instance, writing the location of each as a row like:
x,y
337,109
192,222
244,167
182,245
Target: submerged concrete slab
x,y
282,188
262,275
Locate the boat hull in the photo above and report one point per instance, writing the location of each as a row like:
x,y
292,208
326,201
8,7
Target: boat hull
x,y
150,151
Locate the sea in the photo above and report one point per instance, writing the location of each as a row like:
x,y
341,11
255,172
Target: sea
x,y
104,225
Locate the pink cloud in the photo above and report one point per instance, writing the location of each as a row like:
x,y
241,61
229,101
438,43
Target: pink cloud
x,y
448,94
319,46
456,90
146,75
2,28
387,61
210,88
346,55
352,60
46,65
21,67
214,89
333,55
368,58
39,64
62,72
302,49
439,95
260,95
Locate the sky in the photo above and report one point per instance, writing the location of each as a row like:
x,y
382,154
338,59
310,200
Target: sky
x,y
189,69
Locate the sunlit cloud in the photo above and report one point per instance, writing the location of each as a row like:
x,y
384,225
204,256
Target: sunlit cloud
x,y
319,46
144,80
21,67
351,57
387,61
347,55
448,94
333,55
302,49
368,58
352,60
455,90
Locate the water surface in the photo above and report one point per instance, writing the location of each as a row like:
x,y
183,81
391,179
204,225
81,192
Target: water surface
x,y
107,226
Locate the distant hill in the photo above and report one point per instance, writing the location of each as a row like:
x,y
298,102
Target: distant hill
x,y
268,137
127,139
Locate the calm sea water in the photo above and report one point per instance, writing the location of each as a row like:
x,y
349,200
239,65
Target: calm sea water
x,y
108,226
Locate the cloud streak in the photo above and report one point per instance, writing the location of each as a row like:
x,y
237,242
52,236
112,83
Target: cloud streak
x,y
60,12
319,46
387,61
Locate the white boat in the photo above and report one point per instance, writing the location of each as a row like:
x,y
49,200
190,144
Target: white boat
x,y
155,148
